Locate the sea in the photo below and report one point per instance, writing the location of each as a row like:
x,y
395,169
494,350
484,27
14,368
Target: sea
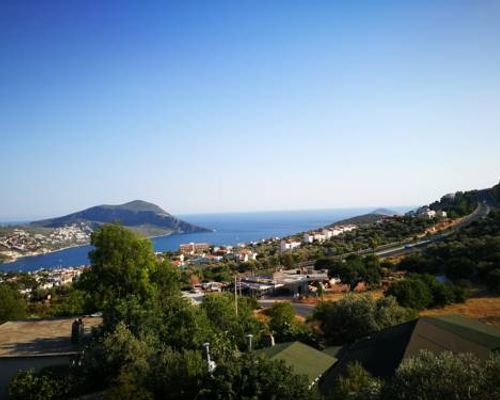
x,y
228,229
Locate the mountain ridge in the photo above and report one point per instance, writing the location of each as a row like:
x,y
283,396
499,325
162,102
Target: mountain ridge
x,y
140,215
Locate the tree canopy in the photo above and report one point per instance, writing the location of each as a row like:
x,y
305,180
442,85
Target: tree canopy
x,y
357,316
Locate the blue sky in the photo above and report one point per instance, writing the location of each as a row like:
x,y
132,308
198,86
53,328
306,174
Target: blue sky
x,y
210,106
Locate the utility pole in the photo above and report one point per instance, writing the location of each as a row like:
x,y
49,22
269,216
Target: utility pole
x,y
236,295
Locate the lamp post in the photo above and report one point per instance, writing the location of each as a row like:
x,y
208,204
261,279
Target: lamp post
x,y
249,336
210,364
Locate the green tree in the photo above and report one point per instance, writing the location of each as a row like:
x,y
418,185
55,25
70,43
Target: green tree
x,y
72,303
12,303
121,264
445,376
412,293
117,358
356,384
357,316
28,385
221,312
282,316
177,374
354,270
287,260
249,377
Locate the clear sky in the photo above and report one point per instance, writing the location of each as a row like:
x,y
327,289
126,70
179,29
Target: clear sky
x,y
211,106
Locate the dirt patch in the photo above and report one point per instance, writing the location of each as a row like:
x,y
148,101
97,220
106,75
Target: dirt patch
x,y
484,309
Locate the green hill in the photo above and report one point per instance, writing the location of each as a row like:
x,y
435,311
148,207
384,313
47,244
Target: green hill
x,y
139,215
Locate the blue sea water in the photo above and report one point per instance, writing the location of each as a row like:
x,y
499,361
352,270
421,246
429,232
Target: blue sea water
x,y
229,229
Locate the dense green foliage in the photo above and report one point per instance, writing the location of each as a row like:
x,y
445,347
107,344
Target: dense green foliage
x,y
12,303
122,265
456,205
472,254
356,384
354,270
357,316
421,291
445,376
282,316
150,345
151,342
248,377
286,327
27,385
425,377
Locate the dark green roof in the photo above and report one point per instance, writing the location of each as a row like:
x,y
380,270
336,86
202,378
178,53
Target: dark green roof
x,y
332,351
304,359
469,329
382,353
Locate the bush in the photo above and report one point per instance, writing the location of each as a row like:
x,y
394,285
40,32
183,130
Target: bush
x,y
422,291
445,376
28,385
12,304
412,293
357,316
356,384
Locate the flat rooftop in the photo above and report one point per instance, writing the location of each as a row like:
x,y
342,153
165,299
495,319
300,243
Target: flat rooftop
x,y
35,338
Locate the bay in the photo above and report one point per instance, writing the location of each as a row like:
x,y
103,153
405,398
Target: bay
x,y
229,229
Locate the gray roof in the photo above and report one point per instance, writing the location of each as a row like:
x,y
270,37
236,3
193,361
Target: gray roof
x,y
48,337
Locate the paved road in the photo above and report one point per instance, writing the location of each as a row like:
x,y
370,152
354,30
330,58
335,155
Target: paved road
x,y
304,310
485,205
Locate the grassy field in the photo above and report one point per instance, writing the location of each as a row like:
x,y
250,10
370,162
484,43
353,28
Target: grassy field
x,y
484,309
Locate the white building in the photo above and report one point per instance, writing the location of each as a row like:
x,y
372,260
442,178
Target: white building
x,y
246,255
319,237
289,245
308,238
427,212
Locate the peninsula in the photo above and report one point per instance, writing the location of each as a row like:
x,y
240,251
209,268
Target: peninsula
x,y
74,229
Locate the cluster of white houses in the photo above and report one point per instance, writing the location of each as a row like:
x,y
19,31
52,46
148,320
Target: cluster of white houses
x,y
203,253
316,236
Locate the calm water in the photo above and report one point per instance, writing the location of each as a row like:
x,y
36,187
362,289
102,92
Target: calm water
x,y
230,229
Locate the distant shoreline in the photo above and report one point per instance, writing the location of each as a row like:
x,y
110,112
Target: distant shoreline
x,y
35,254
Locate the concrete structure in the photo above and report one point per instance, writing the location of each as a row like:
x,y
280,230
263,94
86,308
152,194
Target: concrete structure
x,y
38,344
293,281
194,248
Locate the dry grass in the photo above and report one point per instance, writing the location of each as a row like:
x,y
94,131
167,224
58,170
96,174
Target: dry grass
x,y
485,309
339,296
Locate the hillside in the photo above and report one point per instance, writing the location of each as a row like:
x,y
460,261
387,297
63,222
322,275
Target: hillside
x,y
139,215
367,219
385,211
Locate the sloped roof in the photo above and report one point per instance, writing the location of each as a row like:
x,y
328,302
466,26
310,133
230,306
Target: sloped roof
x,y
453,333
304,359
382,353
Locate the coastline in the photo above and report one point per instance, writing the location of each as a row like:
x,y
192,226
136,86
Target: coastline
x,y
13,258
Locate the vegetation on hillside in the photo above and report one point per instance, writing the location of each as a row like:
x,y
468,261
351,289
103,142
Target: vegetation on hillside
x,y
470,255
457,204
426,376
